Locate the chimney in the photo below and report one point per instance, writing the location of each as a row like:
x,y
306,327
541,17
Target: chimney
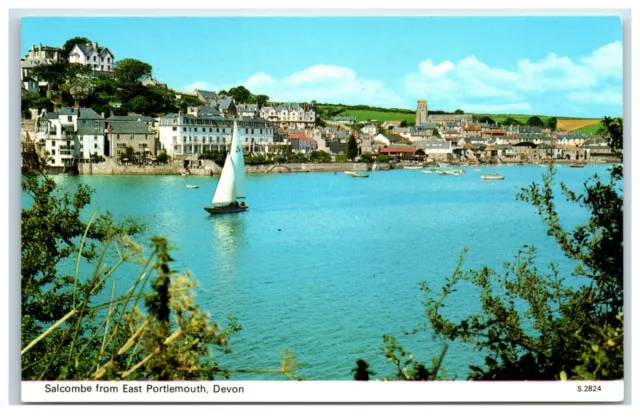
x,y
102,114
94,45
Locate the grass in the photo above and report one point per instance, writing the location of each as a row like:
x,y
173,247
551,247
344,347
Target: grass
x,y
364,115
573,124
588,125
591,129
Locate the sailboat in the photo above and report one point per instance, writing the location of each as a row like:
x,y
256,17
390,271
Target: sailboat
x,y
230,188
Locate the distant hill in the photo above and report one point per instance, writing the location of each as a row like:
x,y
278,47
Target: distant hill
x,y
366,113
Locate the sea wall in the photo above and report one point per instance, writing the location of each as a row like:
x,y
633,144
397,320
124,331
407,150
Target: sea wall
x,y
209,168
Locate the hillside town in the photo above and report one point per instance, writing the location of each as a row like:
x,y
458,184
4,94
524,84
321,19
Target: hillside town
x,y
71,135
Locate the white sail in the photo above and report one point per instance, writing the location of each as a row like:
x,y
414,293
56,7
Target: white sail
x,y
238,162
231,185
225,191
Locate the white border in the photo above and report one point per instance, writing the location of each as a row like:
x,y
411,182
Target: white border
x,y
323,391
501,7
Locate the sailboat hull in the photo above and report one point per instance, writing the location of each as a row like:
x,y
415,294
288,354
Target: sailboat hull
x,y
221,210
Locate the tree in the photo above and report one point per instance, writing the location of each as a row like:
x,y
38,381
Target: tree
x,y
52,232
131,71
261,99
436,132
352,147
366,157
552,123
535,121
320,156
55,73
68,46
403,124
487,119
163,157
35,101
537,325
187,101
511,121
459,112
240,94
129,154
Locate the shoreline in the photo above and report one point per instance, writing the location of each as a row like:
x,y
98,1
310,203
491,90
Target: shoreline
x,y
209,168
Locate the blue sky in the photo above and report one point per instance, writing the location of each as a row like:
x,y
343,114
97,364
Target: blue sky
x,y
564,66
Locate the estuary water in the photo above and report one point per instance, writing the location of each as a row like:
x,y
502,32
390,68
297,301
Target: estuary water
x,y
326,264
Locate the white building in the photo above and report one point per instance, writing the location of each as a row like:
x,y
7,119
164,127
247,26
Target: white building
x,y
290,115
437,146
40,55
71,135
370,130
93,57
189,134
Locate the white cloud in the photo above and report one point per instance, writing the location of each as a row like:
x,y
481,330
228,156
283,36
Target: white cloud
x,y
320,73
325,83
427,68
200,85
259,81
606,97
322,83
447,84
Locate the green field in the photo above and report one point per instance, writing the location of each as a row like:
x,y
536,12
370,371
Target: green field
x,y
410,117
591,129
365,115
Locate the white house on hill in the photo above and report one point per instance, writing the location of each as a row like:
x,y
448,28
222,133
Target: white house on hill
x,y
94,57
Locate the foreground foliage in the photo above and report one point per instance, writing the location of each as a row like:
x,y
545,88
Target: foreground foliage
x,y
72,329
535,324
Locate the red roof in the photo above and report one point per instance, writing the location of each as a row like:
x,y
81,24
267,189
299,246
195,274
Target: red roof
x,y
301,136
402,150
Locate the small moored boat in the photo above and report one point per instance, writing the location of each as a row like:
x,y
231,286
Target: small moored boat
x,y
356,174
576,165
493,176
192,186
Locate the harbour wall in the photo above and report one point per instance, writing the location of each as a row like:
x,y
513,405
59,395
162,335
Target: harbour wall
x,y
209,168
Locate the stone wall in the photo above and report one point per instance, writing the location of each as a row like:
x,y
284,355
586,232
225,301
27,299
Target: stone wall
x,y
209,168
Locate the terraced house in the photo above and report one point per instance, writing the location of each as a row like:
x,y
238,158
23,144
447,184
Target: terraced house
x,y
70,135
289,115
135,134
204,130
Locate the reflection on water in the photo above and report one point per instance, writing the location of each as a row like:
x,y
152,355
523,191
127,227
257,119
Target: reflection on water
x,y
229,235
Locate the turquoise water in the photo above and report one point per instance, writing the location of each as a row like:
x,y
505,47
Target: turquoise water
x,y
326,264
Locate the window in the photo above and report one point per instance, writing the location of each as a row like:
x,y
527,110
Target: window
x,y
53,143
95,58
210,129
95,146
118,136
184,139
69,119
108,59
175,129
131,137
95,138
184,129
53,152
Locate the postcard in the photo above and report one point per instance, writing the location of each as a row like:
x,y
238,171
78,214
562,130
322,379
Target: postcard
x,y
263,209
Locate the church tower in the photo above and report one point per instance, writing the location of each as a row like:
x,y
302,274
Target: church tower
x,y
422,113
